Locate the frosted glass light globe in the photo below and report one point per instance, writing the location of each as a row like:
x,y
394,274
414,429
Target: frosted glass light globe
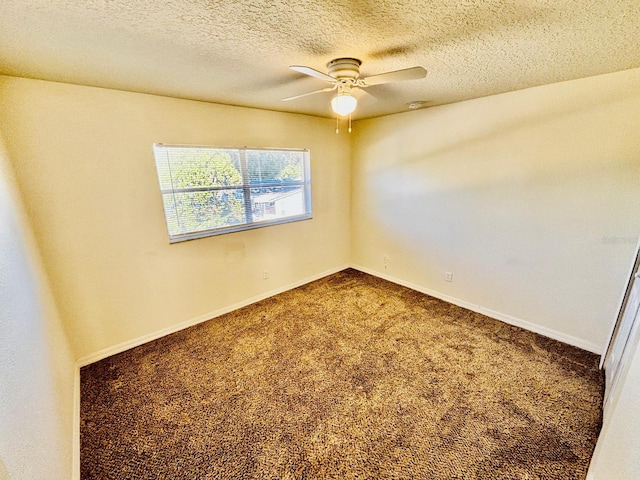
x,y
343,104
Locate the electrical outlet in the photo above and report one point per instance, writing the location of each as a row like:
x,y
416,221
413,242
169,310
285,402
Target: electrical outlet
x,y
265,274
448,276
385,261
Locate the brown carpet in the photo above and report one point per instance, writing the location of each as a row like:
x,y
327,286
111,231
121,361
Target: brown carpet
x,y
348,377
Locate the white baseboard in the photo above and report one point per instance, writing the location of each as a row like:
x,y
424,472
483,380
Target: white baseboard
x,y
135,342
503,317
547,332
94,357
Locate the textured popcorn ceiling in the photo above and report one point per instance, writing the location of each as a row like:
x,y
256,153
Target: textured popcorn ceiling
x,y
237,52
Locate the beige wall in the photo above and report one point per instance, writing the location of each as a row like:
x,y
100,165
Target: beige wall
x,y
36,364
530,198
84,163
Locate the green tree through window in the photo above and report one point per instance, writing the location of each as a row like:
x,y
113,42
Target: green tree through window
x,y
209,190
202,210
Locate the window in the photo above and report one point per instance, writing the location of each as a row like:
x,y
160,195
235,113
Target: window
x,y
209,191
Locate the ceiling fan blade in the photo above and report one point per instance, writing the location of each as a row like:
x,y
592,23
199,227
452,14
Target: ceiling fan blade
x,y
413,73
313,73
328,89
364,93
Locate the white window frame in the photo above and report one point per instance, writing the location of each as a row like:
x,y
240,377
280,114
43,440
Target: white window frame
x,y
245,187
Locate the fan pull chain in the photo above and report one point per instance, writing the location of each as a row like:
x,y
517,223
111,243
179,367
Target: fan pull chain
x,y
338,124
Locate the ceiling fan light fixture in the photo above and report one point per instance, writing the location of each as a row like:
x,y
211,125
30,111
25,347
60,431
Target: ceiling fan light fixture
x,y
344,103
343,74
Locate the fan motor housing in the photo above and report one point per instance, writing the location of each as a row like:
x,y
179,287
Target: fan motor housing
x,y
344,68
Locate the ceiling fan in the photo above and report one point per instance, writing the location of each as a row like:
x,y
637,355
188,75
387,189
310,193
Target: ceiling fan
x,y
344,76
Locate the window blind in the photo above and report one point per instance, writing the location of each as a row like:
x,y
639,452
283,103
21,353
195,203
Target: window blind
x,y
211,190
